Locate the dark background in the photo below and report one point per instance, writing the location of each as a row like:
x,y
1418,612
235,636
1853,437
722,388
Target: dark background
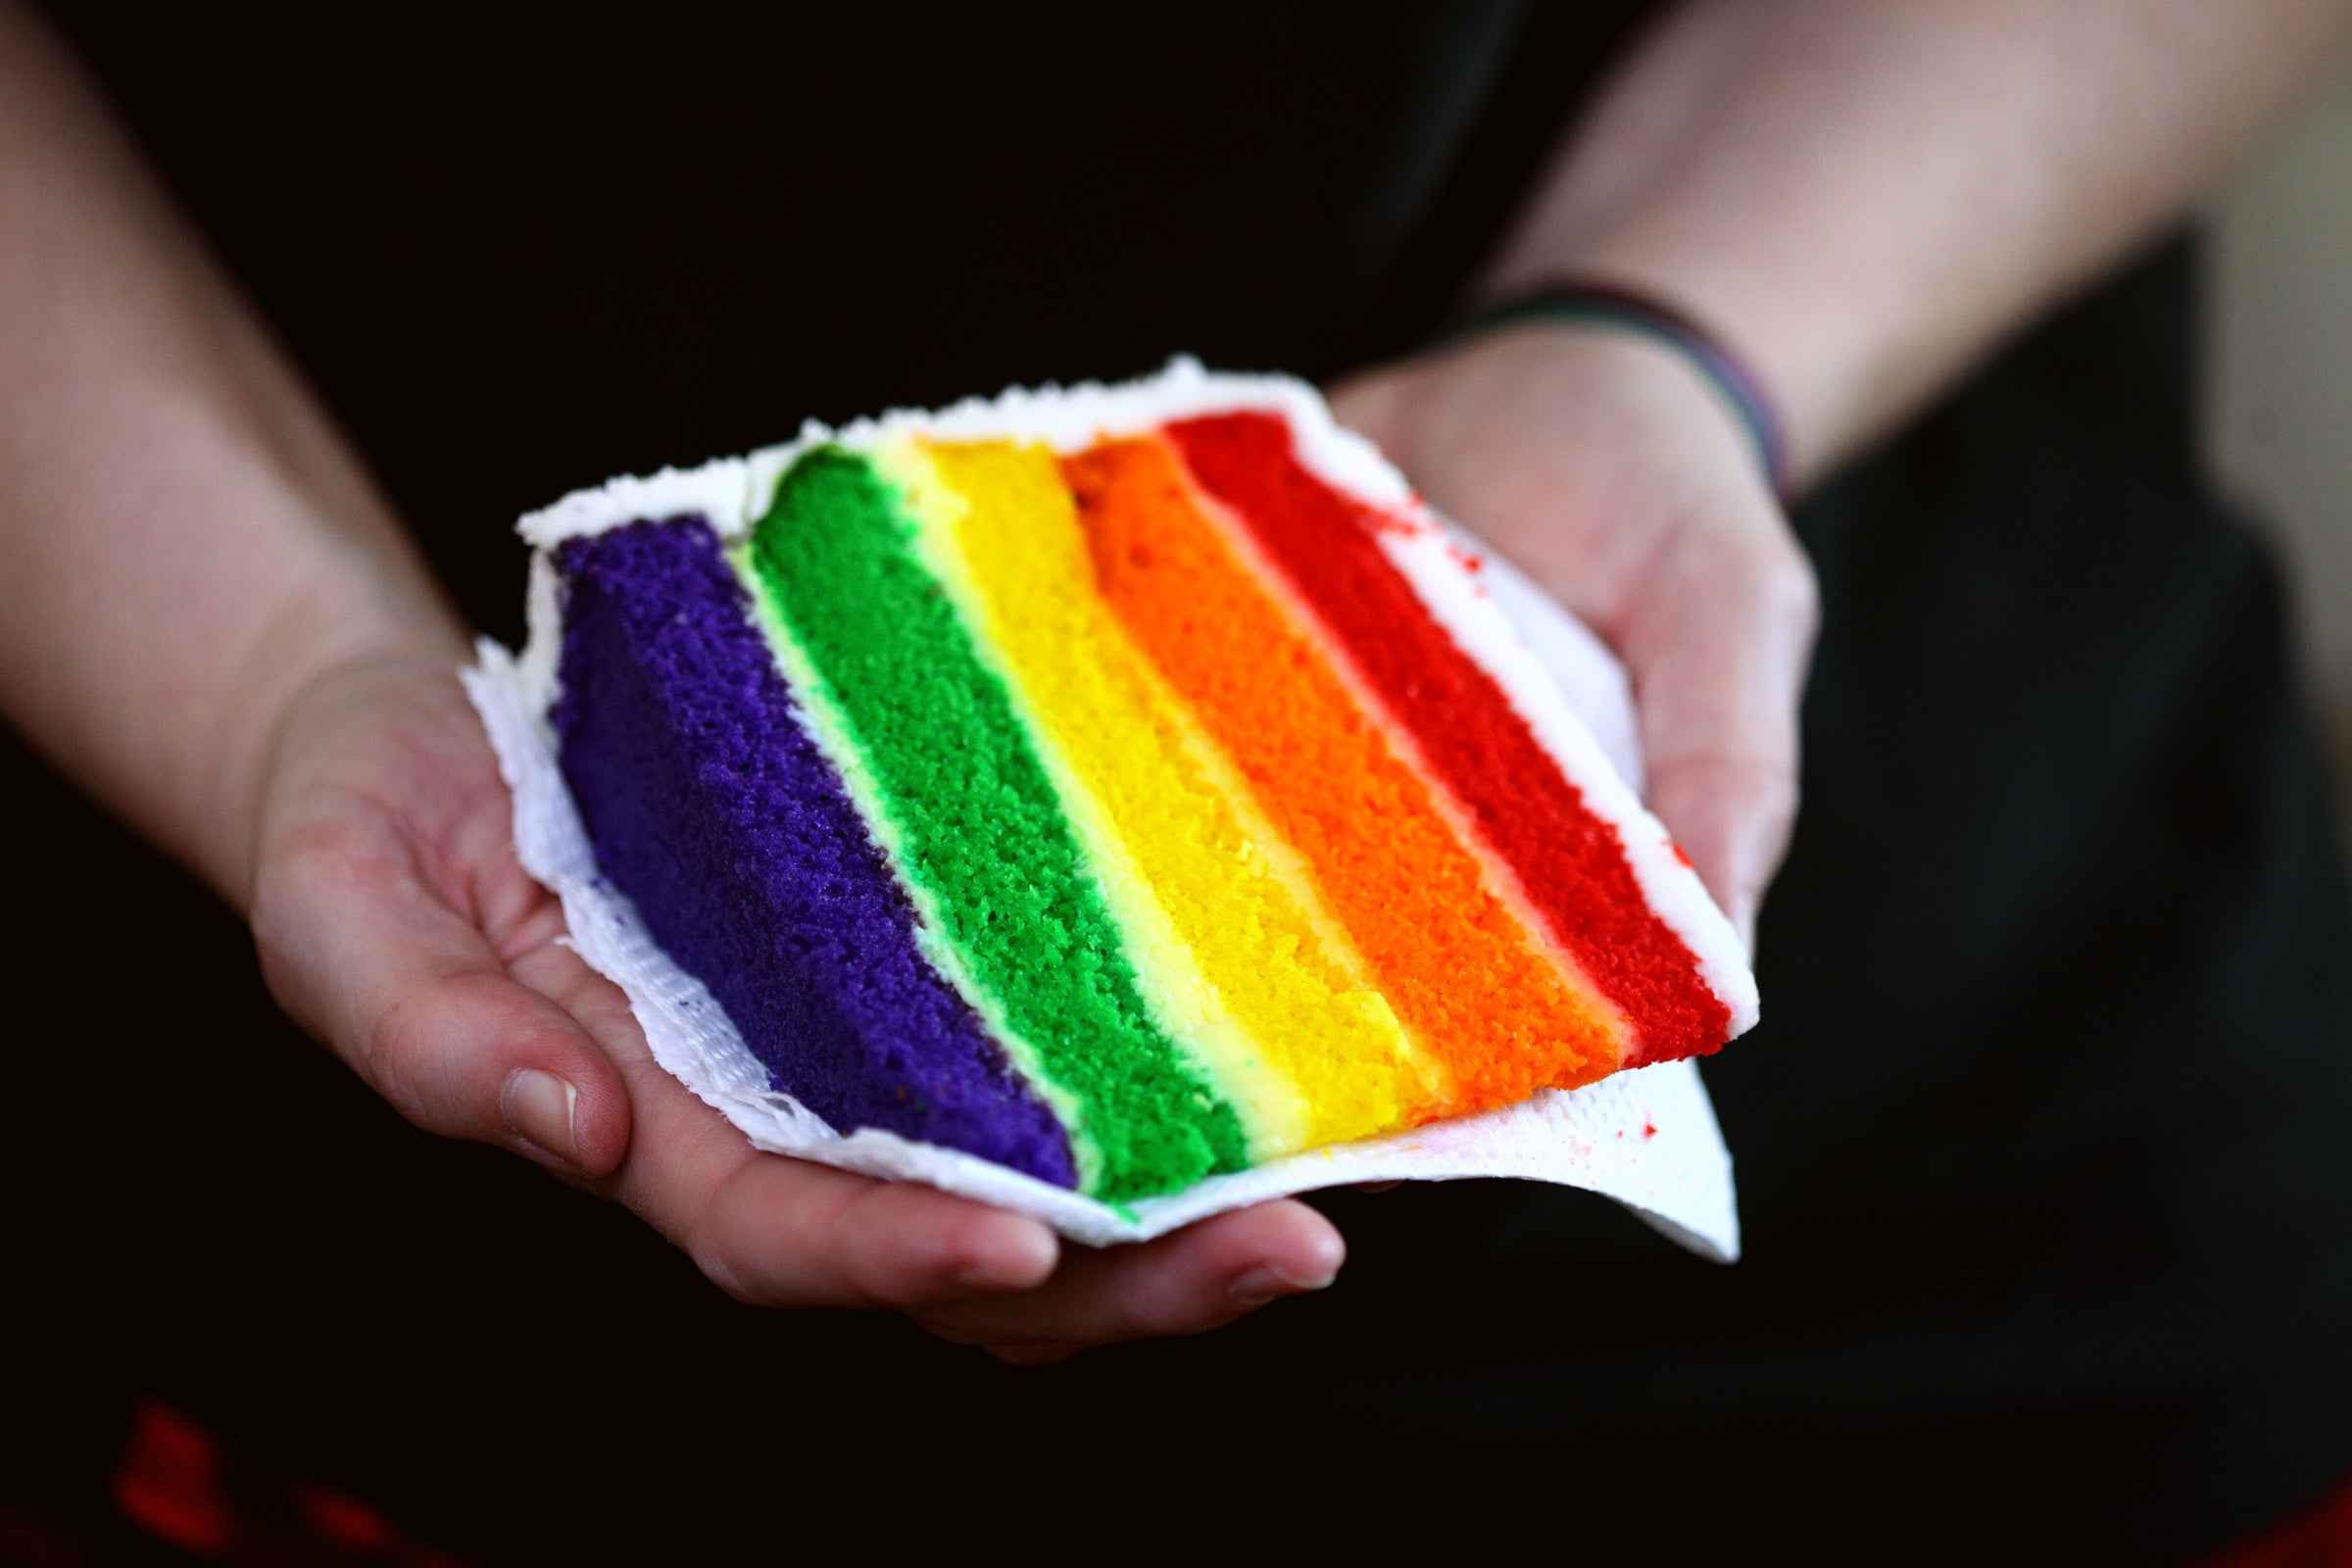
x,y
2040,1145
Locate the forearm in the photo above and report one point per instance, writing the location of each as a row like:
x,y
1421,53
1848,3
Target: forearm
x,y
1863,197
184,540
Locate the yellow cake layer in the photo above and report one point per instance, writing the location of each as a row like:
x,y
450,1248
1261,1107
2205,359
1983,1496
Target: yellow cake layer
x,y
1230,948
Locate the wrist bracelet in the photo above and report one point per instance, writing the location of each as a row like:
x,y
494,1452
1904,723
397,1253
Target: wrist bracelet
x,y
1662,324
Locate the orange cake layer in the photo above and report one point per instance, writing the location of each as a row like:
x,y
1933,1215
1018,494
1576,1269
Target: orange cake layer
x,y
1479,989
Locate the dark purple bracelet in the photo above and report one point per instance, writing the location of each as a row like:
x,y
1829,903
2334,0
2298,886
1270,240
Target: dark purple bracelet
x,y
1663,324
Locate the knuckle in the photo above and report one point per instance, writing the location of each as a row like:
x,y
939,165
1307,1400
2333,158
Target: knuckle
x,y
289,887
315,862
437,1050
891,1266
1780,575
394,1056
721,1271
1161,1314
1774,797
1797,591
951,1328
305,878
705,1232
805,1248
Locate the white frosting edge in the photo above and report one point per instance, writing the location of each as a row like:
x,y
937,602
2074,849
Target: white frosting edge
x,y
732,492
718,490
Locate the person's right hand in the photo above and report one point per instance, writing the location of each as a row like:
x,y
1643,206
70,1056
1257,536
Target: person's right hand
x,y
396,924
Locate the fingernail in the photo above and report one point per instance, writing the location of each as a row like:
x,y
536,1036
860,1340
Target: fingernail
x,y
539,1108
1266,1283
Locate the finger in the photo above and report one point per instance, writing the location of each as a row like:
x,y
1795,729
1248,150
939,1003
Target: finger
x,y
359,946
779,1232
1199,1278
787,1233
1717,636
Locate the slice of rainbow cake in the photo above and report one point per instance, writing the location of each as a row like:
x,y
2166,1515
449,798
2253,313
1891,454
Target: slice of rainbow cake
x,y
1127,787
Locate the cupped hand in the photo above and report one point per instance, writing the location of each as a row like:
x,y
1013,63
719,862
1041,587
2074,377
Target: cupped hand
x,y
1603,464
395,923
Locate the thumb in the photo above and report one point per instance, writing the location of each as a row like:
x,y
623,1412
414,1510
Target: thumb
x,y
1718,637
362,951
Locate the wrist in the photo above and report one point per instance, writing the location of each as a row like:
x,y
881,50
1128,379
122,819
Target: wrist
x,y
1827,345
1611,306
1537,434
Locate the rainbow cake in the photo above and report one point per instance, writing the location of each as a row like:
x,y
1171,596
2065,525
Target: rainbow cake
x,y
1126,787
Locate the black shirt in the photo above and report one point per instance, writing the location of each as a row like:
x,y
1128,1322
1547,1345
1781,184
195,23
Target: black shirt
x,y
2041,1146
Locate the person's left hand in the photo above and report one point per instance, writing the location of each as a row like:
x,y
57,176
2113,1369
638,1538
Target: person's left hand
x,y
395,923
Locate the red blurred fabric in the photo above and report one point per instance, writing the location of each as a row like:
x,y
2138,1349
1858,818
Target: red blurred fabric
x,y
2320,1537
177,1483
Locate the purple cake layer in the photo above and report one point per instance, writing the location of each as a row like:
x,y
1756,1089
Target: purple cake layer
x,y
706,801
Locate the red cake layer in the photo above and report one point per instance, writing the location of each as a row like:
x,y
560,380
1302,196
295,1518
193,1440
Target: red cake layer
x,y
1569,859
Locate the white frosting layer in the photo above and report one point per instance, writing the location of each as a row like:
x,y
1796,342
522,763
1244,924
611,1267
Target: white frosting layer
x,y
718,490
732,492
